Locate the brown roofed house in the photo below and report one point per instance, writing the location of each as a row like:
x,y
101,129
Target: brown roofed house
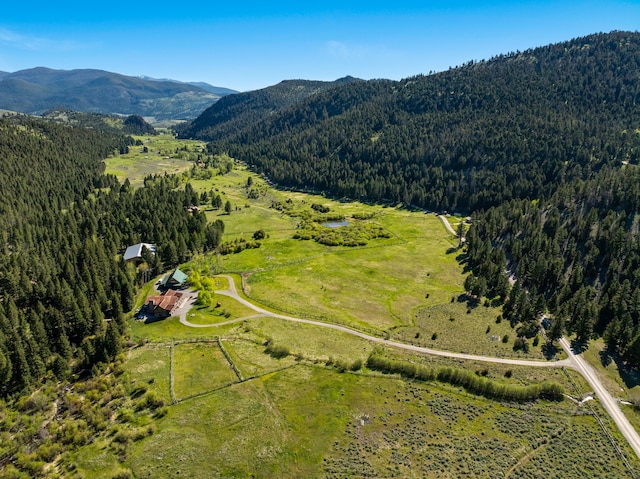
x,y
162,306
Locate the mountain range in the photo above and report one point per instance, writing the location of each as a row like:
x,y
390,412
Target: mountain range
x,y
87,90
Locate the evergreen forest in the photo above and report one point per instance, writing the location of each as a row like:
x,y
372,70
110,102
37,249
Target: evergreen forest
x,y
515,126
64,287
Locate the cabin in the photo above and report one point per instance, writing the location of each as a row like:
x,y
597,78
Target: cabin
x,y
176,279
133,253
162,306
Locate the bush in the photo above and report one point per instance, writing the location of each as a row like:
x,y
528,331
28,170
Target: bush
x,y
123,474
153,401
341,365
277,351
521,344
356,365
505,338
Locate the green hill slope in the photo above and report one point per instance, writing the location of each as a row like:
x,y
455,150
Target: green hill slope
x,y
514,126
238,111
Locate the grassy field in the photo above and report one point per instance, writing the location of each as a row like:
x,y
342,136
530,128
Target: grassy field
x,y
150,366
165,154
306,421
408,286
297,416
200,367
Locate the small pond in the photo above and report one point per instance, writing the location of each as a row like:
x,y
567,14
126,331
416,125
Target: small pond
x,y
336,224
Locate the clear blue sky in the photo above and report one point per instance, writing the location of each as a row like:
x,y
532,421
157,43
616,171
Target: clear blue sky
x,y
247,46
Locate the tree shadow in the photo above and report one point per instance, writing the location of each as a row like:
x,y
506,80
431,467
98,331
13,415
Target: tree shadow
x,y
472,301
579,347
606,357
153,319
550,351
630,376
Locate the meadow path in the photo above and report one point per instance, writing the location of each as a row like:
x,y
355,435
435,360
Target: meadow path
x,y
233,293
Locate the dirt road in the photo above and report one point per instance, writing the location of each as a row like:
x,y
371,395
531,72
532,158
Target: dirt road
x,y
575,362
447,225
607,401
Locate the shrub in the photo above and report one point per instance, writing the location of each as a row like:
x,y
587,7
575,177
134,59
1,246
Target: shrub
x,y
521,344
341,365
277,351
356,365
123,474
505,338
153,401
161,412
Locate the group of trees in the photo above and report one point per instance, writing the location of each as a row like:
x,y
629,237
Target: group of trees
x,y
575,255
63,226
475,383
516,126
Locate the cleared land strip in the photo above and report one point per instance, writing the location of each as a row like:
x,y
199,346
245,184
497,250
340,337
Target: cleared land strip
x,y
573,361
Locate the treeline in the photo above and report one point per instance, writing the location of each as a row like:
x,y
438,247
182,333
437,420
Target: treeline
x,y
515,126
63,226
472,382
576,256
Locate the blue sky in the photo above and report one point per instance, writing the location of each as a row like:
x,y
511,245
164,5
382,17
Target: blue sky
x,y
246,46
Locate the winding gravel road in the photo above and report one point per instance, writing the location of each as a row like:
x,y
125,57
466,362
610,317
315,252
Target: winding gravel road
x,y
573,361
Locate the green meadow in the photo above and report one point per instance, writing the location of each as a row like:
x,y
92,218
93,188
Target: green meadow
x,y
236,407
163,154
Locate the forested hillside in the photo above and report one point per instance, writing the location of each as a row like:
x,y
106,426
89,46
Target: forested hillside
x,y
542,146
515,126
576,255
63,224
235,112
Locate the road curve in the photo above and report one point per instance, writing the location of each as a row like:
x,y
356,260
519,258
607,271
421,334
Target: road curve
x,y
573,361
233,293
607,401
